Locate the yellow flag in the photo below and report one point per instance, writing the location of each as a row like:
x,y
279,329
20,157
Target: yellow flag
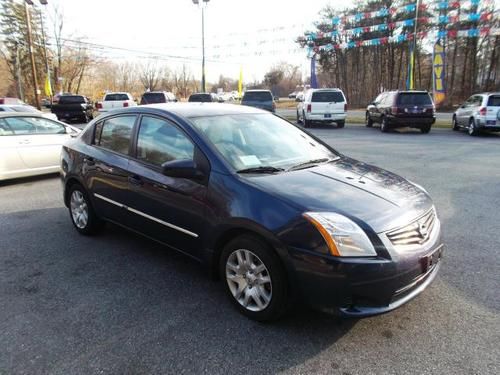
x,y
240,82
48,87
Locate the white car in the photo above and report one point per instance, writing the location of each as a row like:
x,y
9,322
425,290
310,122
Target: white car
x,y
322,105
481,112
25,108
30,144
113,100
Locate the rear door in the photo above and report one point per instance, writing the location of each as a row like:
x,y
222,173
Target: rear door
x,y
493,110
39,140
327,103
10,160
168,209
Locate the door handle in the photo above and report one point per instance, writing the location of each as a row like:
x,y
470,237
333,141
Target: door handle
x,y
135,180
24,142
89,161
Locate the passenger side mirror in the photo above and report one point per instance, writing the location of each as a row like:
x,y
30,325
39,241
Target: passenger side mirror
x,y
183,168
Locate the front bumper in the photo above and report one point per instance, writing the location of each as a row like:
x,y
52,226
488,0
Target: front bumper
x,y
359,287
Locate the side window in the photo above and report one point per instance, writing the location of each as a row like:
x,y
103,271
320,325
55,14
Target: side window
x,y
378,99
21,126
469,102
386,99
4,128
44,126
478,100
116,133
160,141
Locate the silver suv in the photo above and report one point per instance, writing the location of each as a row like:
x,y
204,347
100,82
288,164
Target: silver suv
x,y
480,112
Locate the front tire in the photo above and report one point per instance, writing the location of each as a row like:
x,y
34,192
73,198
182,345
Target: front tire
x,y
425,129
384,127
454,123
369,121
255,280
81,211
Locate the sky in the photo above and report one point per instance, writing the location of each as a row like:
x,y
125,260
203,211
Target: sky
x,y
249,34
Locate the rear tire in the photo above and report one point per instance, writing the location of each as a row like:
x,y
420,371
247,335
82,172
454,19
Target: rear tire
x,y
299,121
369,121
454,123
384,126
81,211
307,123
340,124
472,130
426,129
254,278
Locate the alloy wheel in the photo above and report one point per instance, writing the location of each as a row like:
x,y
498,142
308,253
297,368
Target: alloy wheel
x,y
79,209
249,280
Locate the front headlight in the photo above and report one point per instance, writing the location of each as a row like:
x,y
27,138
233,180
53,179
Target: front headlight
x,y
343,236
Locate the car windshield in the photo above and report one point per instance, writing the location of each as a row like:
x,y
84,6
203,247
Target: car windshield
x,y
114,97
71,99
249,141
200,98
327,97
414,99
258,96
494,101
153,97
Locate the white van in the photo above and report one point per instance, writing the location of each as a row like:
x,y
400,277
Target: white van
x,y
322,105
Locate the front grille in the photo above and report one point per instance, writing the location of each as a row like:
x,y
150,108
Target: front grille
x,y
416,233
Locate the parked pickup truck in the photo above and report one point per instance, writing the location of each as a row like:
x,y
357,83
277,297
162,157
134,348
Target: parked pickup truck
x,y
113,100
73,107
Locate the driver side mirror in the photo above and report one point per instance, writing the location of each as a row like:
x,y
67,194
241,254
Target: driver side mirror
x,y
183,168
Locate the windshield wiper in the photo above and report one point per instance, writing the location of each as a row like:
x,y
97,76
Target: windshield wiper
x,y
309,163
261,169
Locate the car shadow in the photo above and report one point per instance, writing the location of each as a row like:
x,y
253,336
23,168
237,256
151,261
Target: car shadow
x,y
120,302
27,180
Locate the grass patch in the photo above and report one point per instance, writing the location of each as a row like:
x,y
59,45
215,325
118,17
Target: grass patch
x,y
357,120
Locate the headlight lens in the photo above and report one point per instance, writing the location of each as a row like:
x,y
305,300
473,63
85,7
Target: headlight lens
x,y
343,236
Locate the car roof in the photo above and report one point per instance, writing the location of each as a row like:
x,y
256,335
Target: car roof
x,y
326,89
258,90
117,92
193,109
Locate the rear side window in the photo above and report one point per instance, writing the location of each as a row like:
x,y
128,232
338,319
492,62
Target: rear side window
x,y
160,141
200,98
71,99
494,101
327,97
114,97
115,133
153,97
414,99
258,96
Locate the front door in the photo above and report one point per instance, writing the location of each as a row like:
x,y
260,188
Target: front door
x,y
168,209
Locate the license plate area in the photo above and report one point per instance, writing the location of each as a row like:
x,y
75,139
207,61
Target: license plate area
x,y
428,261
328,115
491,122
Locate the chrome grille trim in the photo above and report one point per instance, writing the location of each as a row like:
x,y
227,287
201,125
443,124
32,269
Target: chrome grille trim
x,y
418,232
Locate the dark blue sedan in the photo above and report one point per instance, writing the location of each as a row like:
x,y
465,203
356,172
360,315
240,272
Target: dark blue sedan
x,y
273,211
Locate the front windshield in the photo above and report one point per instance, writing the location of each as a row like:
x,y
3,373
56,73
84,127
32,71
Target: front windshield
x,y
260,140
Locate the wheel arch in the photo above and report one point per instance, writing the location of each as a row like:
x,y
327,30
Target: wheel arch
x,y
67,187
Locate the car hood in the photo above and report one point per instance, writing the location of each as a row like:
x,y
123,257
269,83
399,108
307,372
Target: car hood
x,y
381,199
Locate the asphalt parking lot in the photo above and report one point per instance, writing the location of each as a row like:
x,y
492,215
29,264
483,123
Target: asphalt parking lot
x,y
118,303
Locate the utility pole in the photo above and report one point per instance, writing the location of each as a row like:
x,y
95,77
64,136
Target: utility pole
x,y
32,56
45,51
412,80
19,76
202,4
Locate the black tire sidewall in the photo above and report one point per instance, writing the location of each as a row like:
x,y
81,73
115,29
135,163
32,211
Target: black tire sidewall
x,y
279,300
93,222
340,124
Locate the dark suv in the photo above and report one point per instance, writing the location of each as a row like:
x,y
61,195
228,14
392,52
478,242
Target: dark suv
x,y
397,109
262,99
155,97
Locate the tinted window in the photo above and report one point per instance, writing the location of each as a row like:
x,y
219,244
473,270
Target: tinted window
x,y
153,97
258,96
494,101
159,141
33,125
200,98
116,132
414,99
71,99
113,97
327,97
5,129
